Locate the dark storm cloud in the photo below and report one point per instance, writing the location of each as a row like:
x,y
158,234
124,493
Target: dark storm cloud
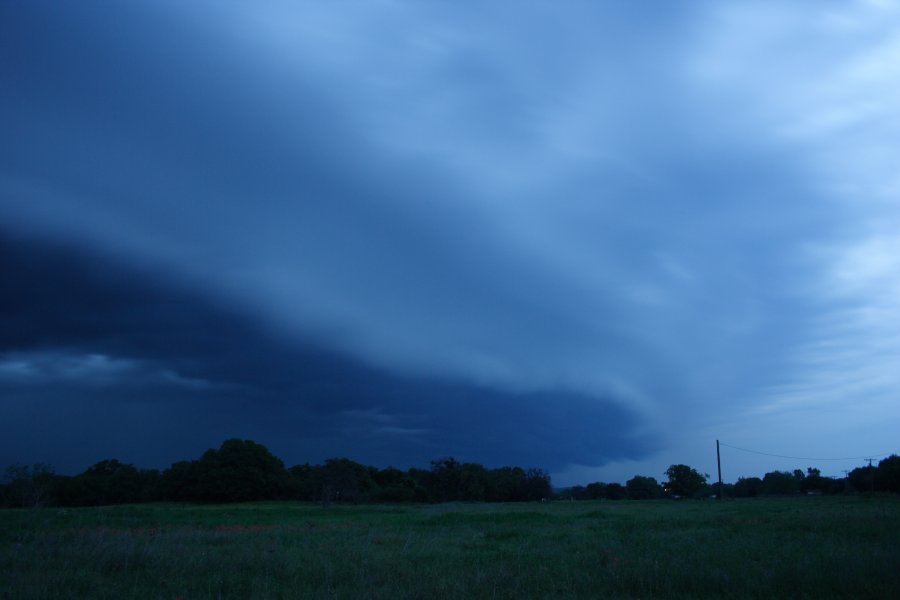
x,y
262,191
99,358
386,227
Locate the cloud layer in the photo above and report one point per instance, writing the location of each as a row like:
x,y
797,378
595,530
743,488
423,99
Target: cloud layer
x,y
612,233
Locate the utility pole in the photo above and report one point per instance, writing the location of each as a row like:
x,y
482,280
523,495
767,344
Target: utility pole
x,y
719,465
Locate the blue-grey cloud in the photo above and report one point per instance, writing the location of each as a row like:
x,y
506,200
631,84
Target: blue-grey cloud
x,y
103,358
568,209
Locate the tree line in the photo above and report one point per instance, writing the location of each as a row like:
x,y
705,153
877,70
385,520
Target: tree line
x,y
685,482
243,470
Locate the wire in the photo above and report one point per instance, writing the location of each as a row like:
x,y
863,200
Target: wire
x,y
870,456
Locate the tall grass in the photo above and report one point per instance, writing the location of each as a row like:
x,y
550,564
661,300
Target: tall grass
x,y
792,547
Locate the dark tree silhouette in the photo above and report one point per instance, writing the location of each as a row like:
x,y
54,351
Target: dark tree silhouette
x,y
887,478
684,481
862,479
747,487
342,480
643,488
30,485
181,481
240,471
537,485
813,482
782,483
507,484
596,490
616,491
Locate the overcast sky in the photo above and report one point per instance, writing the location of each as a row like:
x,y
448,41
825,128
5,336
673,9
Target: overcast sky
x,y
591,237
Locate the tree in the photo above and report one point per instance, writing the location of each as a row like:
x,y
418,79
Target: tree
x,y
747,487
300,482
781,483
887,478
342,480
537,484
684,481
473,482
30,486
394,485
616,491
107,482
862,479
241,471
596,490
445,479
421,482
506,484
576,492
813,482
181,481
643,488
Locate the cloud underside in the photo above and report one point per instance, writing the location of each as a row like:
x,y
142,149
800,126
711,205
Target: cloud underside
x,y
82,375
543,236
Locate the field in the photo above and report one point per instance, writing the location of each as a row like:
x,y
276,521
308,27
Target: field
x,y
780,547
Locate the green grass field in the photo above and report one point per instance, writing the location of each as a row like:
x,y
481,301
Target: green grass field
x,y
781,547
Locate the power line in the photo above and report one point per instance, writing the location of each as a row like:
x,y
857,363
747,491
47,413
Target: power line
x,y
868,457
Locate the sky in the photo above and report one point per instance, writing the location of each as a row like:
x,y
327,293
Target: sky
x,y
590,237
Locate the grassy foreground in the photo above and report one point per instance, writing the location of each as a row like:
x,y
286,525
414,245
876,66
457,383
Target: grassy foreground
x,y
793,547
